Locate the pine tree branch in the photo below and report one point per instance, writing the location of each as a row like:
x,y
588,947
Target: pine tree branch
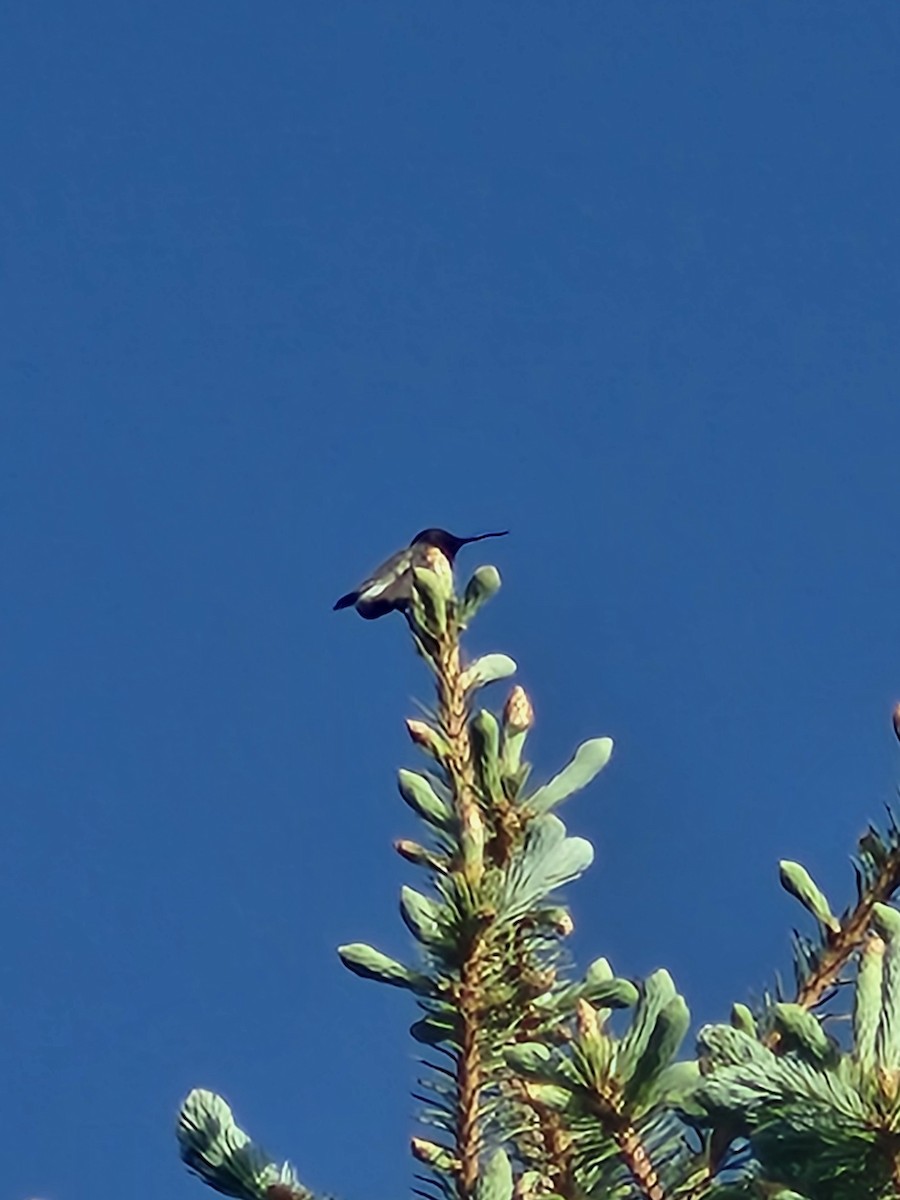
x,y
608,1109
478,844
638,1162
501,959
556,1144
469,1073
844,942
453,715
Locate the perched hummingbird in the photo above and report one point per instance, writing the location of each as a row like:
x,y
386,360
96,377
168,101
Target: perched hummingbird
x,y
389,587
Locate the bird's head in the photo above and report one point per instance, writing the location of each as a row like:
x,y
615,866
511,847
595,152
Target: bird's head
x,y
448,543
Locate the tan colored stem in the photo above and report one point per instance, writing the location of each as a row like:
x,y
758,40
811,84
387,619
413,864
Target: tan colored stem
x,y
895,1174
454,714
555,1142
608,1107
639,1164
468,1074
453,711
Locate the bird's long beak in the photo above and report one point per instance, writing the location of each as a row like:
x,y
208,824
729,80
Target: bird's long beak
x,y
479,537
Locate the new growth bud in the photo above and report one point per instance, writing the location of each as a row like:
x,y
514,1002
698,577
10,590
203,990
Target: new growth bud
x,y
434,1155
559,920
472,840
483,584
586,1020
518,715
419,856
428,738
565,926
518,718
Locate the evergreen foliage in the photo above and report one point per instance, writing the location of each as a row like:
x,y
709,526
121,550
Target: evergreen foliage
x,y
539,1083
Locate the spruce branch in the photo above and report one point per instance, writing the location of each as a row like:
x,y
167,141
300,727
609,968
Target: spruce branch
x,y
469,1071
848,939
496,967
453,716
441,638
555,1141
820,964
488,939
216,1149
535,1096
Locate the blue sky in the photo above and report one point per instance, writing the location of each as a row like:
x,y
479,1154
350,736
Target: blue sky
x,y
284,283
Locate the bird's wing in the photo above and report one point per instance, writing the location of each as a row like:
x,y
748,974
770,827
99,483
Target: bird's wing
x,y
382,579
370,589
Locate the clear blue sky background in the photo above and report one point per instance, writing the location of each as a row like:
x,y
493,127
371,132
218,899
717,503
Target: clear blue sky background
x,y
283,283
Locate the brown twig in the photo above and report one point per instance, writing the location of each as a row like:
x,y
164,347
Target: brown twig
x,y
453,713
638,1160
471,993
845,942
607,1106
469,1073
555,1144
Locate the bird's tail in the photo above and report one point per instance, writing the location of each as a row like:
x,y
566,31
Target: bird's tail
x,y
346,601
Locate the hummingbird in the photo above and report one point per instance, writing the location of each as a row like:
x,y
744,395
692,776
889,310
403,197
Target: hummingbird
x,y
389,587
